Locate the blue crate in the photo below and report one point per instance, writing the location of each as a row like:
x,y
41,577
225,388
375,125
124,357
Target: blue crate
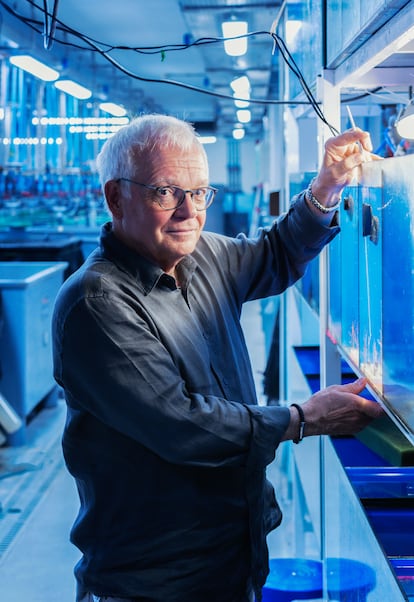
x,y
28,291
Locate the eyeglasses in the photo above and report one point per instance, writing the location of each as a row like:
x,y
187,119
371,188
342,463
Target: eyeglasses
x,y
172,197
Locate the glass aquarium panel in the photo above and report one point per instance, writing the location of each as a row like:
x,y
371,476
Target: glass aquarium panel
x,y
370,8
343,249
346,21
308,285
371,283
370,274
356,567
351,10
349,274
398,288
333,32
303,29
334,290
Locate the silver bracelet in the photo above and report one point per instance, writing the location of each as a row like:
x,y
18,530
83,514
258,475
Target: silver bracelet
x,y
312,199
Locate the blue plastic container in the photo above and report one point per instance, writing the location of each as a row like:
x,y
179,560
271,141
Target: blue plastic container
x,y
28,291
349,580
293,579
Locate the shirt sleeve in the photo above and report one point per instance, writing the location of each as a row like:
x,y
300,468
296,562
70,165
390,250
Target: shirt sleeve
x,y
275,258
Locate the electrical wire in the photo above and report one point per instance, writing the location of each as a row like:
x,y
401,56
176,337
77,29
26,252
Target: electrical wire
x,y
49,30
364,94
104,50
291,63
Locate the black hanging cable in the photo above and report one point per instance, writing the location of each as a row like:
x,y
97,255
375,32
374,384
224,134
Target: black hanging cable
x,y
49,31
290,61
363,95
104,52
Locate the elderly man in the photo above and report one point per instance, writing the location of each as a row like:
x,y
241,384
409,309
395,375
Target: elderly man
x,y
164,435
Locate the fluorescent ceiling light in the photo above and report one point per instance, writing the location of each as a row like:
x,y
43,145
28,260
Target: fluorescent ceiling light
x,y
240,85
99,136
207,139
74,89
241,88
405,122
292,29
233,29
238,133
80,120
241,104
113,109
35,67
244,115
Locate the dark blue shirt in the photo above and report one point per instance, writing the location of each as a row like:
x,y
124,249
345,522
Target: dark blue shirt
x,y
164,435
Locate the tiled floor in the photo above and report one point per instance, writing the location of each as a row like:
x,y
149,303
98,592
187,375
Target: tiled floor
x,y
38,506
38,501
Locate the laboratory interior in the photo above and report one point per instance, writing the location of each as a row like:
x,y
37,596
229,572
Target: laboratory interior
x,y
265,83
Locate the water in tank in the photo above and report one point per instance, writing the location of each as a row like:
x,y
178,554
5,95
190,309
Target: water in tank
x,y
349,274
398,287
370,272
308,285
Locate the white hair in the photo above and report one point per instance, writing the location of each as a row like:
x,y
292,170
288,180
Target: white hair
x,y
121,154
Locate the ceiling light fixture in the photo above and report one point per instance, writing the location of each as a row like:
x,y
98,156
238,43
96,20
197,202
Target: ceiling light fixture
x,y
74,89
241,89
34,67
244,115
93,129
236,31
238,133
98,135
405,122
241,104
80,120
292,29
207,139
241,84
113,109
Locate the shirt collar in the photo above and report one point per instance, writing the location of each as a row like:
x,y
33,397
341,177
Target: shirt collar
x,y
147,274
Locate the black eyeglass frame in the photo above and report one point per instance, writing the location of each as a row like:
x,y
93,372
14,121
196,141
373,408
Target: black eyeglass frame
x,y
184,192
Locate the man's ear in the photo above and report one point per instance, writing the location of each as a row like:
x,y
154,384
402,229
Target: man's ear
x,y
113,198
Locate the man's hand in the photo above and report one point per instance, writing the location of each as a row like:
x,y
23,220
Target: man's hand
x,y
343,155
336,410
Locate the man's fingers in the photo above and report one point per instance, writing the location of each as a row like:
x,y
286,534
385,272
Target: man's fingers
x,y
373,409
351,136
357,385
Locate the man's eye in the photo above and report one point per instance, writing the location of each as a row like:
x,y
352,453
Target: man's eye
x,y
165,191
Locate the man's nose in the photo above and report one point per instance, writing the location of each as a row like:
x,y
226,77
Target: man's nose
x,y
187,206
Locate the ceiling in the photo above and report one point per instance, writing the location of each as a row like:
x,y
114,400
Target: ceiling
x,y
193,83
138,53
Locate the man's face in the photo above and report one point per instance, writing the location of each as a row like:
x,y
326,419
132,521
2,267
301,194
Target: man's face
x,y
163,237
